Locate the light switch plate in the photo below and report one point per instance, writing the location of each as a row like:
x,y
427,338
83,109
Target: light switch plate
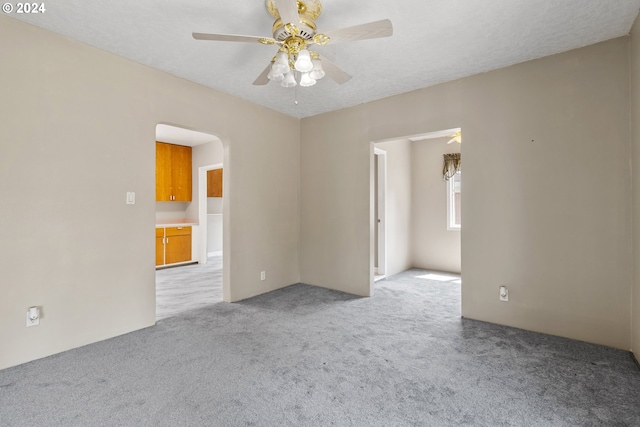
x,y
35,320
131,198
504,293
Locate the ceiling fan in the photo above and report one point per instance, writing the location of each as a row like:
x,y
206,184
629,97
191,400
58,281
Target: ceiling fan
x,y
456,137
294,31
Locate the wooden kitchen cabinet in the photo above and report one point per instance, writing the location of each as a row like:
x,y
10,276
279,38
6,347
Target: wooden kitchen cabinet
x,y
177,245
173,173
173,246
159,246
214,183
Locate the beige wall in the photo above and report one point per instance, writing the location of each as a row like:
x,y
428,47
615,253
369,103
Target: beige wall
x,y
398,205
77,131
635,122
547,193
336,196
434,247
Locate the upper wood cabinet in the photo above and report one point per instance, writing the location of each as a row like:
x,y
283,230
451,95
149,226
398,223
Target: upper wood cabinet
x,y
173,173
214,183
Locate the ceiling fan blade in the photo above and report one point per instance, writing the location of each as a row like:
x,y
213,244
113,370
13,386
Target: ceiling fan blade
x,y
457,137
372,30
334,72
262,78
233,38
288,10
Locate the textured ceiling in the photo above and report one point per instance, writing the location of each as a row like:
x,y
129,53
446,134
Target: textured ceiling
x,y
434,41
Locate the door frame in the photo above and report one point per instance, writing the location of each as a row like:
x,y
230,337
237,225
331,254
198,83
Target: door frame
x,y
380,223
202,210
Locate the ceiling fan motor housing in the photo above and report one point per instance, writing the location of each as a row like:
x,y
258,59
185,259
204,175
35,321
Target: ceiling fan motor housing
x,y
308,12
307,30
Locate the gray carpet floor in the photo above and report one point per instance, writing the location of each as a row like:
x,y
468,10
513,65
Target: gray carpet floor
x,y
187,287
306,356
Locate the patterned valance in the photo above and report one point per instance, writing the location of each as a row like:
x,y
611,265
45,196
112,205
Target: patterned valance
x,y
451,165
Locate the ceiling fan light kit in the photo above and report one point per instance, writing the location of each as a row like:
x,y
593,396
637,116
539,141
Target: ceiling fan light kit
x,y
317,72
294,56
294,31
289,80
306,80
303,61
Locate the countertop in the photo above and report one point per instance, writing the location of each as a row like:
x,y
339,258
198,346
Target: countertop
x,y
182,222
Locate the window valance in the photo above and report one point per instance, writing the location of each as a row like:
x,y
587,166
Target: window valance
x,y
451,165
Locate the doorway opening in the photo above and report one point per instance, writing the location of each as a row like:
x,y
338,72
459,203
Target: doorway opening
x,y
210,198
415,211
194,277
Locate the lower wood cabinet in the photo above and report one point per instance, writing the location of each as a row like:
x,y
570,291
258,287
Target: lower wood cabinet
x,y
159,246
173,245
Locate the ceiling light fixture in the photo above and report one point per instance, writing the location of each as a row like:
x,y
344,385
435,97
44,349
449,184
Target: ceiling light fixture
x,y
295,56
294,31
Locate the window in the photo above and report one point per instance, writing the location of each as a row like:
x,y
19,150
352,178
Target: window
x,y
453,202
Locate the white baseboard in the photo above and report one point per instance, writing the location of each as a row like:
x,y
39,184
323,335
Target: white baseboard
x,y
217,253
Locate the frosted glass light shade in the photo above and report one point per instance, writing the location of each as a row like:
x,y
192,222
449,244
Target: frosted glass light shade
x,y
281,64
289,80
274,75
306,80
317,72
303,62
279,69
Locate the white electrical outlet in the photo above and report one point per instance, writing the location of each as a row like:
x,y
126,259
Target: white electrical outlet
x,y
33,316
263,275
504,293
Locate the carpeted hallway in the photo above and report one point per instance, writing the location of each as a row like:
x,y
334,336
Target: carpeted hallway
x,y
306,356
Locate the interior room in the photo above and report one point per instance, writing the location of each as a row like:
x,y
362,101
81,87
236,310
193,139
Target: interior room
x,y
296,98
414,206
189,230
